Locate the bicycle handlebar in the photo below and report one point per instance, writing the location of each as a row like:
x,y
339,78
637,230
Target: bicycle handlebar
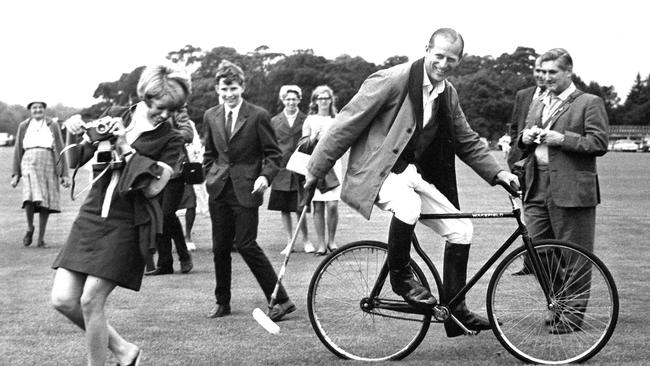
x,y
512,190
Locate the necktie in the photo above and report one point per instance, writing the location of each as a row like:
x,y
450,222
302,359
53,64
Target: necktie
x,y
229,124
547,113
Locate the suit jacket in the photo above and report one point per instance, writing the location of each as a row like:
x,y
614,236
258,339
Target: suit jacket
x,y
288,137
572,166
523,98
252,151
377,125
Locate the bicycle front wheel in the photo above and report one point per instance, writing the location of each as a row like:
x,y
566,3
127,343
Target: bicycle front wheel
x,y
573,325
337,293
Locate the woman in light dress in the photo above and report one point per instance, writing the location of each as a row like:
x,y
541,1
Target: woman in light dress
x,y
321,116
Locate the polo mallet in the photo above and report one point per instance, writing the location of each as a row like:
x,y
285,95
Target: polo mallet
x,y
258,314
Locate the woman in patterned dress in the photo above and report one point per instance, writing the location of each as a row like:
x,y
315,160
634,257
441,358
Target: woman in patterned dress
x,y
37,149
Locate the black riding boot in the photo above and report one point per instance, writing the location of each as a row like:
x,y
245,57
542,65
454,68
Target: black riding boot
x,y
454,278
401,275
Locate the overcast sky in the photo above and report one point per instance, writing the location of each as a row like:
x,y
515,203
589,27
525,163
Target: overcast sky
x,y
61,50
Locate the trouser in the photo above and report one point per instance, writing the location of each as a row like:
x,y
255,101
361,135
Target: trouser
x,y
172,229
407,195
233,224
545,220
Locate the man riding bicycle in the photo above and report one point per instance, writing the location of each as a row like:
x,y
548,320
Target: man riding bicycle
x,y
404,128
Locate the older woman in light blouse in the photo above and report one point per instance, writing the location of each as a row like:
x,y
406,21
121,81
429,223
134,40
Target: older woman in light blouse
x,y
38,145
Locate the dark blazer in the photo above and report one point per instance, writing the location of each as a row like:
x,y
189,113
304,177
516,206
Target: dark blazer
x,y
572,166
523,98
252,151
288,138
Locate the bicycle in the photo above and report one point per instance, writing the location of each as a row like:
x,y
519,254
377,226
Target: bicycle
x,y
357,316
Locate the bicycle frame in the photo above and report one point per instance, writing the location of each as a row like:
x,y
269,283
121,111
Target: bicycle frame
x,y
521,230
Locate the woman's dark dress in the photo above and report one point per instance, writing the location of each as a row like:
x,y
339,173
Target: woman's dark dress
x,y
109,247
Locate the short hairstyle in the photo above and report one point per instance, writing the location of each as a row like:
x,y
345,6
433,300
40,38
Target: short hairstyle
x,y
286,89
451,35
564,60
230,73
164,81
313,107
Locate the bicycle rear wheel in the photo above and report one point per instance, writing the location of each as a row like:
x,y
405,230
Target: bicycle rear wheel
x,y
581,315
340,286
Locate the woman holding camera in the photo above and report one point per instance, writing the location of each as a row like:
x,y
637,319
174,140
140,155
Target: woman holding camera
x,y
37,149
118,222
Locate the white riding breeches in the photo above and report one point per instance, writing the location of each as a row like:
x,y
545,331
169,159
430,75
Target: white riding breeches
x,y
407,195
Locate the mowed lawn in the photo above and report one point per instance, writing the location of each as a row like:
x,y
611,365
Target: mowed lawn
x,y
167,317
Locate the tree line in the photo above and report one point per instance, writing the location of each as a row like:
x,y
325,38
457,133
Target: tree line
x,y
486,85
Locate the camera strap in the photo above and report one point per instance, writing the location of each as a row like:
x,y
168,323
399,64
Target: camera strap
x,y
98,177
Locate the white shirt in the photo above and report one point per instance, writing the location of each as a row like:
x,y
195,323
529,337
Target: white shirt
x,y
38,134
235,113
551,106
429,94
291,118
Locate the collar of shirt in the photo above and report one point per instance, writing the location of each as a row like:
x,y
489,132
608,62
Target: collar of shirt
x,y
139,123
291,118
539,93
429,94
235,112
430,91
547,97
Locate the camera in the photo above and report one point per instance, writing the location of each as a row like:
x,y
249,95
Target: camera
x,y
99,129
99,133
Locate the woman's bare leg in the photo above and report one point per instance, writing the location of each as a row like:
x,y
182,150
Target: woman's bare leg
x,y
332,223
66,298
319,225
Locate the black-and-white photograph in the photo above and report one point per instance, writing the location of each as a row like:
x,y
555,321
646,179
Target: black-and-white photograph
x,y
318,183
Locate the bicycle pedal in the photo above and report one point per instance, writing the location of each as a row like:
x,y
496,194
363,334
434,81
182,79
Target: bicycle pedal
x,y
441,313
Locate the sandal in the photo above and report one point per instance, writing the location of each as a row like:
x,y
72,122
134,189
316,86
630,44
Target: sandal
x,y
27,239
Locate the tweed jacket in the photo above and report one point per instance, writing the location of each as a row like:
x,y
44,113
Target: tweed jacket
x,y
572,166
61,168
288,137
252,151
377,125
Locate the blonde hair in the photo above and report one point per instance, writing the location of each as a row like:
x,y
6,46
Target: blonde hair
x,y
321,89
164,81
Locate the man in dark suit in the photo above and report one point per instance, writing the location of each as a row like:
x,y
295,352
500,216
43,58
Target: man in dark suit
x,y
287,185
523,98
241,159
404,129
565,131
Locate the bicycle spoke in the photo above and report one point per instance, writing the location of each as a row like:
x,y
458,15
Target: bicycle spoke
x,y
577,322
335,296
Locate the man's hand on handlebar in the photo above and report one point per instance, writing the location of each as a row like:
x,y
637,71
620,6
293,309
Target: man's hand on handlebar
x,y
508,179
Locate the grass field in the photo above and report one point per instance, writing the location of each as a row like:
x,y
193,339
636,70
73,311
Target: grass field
x,y
167,317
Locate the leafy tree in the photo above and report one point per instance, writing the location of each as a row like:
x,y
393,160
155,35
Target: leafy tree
x,y
394,61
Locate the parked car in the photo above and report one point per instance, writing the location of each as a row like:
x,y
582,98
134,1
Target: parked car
x,y
625,145
7,139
